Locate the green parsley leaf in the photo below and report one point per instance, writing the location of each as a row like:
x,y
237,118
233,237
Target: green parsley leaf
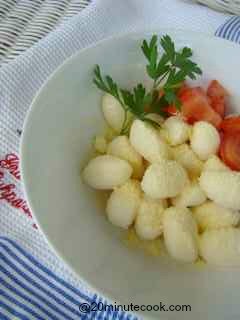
x,y
137,100
108,86
171,98
168,69
169,47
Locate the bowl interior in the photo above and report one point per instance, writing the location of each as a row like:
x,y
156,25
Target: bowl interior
x,y
58,132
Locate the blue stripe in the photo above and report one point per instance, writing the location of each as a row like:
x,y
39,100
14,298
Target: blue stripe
x,y
46,270
230,26
3,317
238,36
24,275
221,30
236,31
23,296
233,29
121,315
115,314
230,30
109,312
98,313
37,274
42,299
224,29
19,304
94,313
13,312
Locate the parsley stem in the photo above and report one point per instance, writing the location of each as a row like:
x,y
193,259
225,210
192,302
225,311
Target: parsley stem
x,y
157,83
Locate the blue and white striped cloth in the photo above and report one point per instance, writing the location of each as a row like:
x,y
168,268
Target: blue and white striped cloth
x,y
29,288
230,30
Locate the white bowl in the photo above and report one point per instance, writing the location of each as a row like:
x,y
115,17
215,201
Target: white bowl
x,y
58,132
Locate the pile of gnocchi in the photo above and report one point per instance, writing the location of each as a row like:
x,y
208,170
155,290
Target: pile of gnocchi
x,y
168,183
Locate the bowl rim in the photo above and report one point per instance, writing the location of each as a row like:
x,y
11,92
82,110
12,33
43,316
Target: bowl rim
x,y
135,35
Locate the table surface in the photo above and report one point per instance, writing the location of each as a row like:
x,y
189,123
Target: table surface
x,y
25,22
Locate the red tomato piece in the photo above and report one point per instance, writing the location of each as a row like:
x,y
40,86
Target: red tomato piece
x,y
218,104
183,88
217,95
230,150
215,89
231,124
196,107
172,110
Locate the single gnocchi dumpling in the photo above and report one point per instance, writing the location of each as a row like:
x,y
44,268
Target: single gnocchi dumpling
x,y
180,234
113,112
188,159
214,163
209,215
147,141
220,247
164,179
121,147
222,187
123,204
106,172
148,224
205,140
177,130
192,195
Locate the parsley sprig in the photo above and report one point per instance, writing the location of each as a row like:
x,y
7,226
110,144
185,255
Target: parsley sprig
x,y
167,70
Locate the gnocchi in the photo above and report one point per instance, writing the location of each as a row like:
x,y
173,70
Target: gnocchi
x,y
180,234
164,179
205,140
209,215
220,247
192,195
222,187
121,147
106,172
214,163
147,142
177,130
188,159
123,204
148,224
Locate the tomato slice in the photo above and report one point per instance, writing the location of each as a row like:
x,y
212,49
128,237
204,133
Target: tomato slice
x,y
196,107
230,150
215,89
217,95
231,124
218,104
